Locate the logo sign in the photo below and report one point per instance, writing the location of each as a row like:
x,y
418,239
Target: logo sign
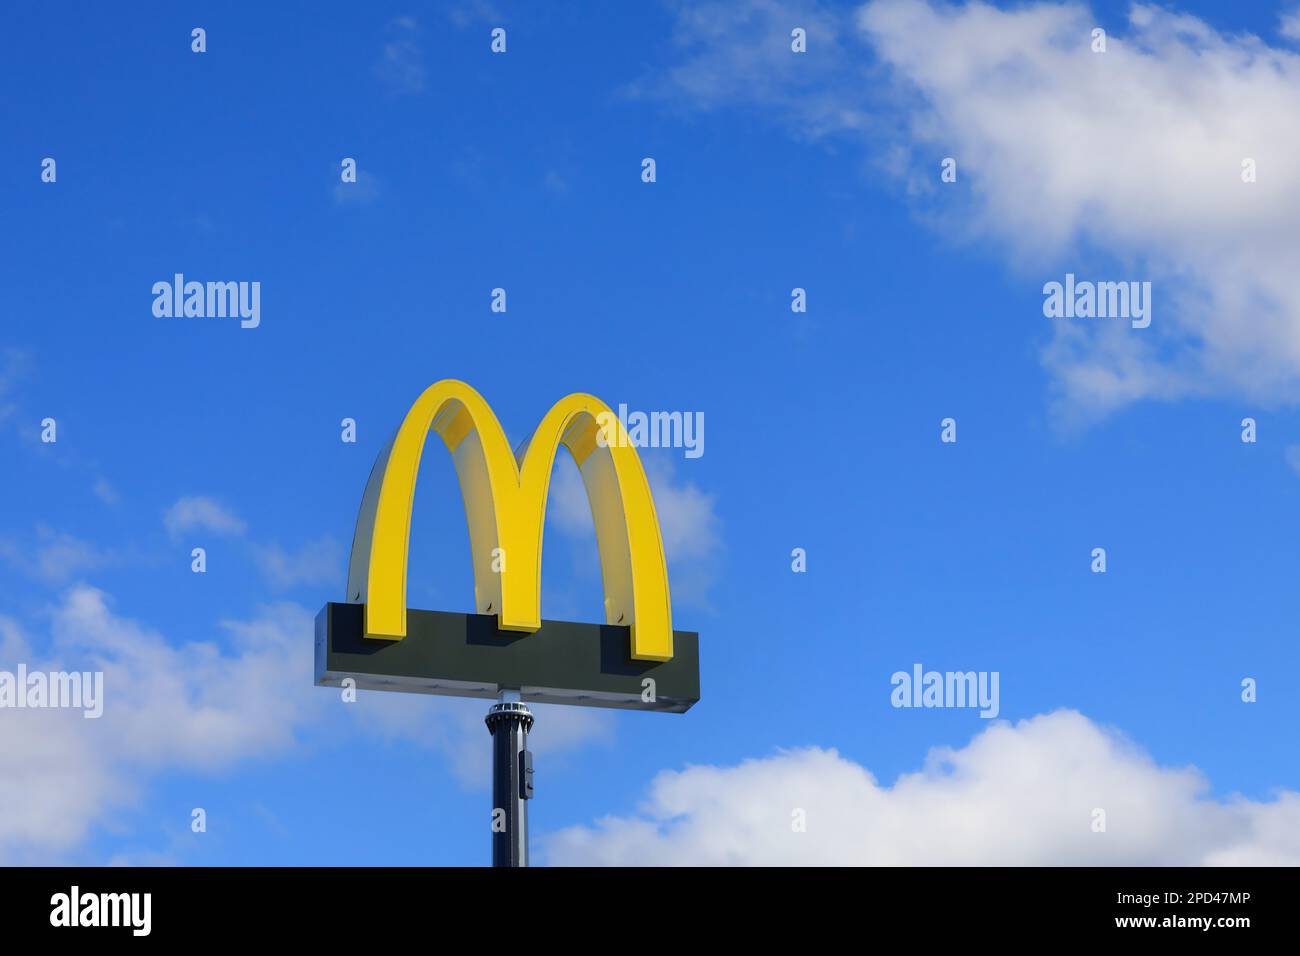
x,y
635,660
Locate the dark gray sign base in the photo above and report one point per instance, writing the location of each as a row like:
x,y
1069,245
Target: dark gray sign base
x,y
466,655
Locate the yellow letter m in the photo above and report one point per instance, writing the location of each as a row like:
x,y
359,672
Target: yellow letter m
x,y
505,505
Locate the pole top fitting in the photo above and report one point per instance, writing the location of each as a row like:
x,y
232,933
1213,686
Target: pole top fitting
x,y
508,712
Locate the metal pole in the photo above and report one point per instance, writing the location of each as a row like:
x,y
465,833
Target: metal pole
x,y
509,721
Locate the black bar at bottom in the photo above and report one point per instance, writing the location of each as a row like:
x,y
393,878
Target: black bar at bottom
x,y
972,906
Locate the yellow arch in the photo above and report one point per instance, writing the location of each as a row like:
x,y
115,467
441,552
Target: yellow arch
x,y
505,505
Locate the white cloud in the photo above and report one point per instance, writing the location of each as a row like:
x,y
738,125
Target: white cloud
x,y
13,643
688,521
165,707
60,556
566,501
1289,24
473,12
14,366
401,63
1020,794
105,492
316,562
1292,456
56,556
360,193
738,52
454,728
1128,161
1138,152
196,707
691,529
197,513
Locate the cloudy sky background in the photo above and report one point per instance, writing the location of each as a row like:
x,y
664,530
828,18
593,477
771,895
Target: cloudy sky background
x,y
1118,691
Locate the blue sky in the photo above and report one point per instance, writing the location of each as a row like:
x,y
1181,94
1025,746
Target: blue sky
x,y
522,171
